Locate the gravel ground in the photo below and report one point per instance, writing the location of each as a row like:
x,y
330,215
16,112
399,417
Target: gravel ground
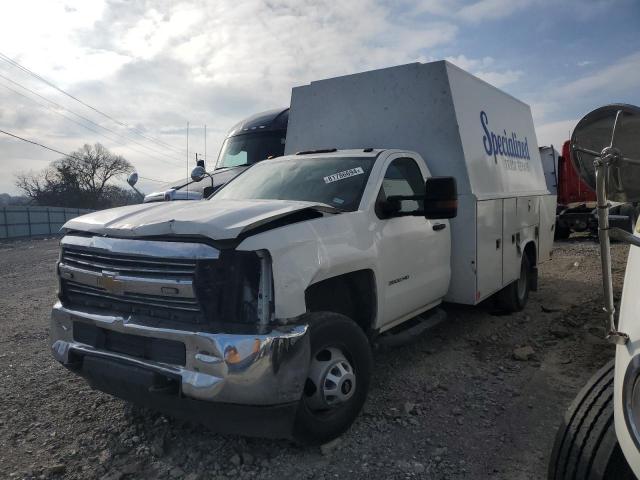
x,y
478,396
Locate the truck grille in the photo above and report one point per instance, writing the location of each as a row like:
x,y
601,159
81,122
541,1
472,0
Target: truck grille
x,y
149,278
131,265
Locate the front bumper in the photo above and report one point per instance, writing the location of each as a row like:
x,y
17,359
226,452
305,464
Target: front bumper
x,y
257,370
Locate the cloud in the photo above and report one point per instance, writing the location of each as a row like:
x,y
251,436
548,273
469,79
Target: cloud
x,y
555,133
492,9
619,77
617,82
156,64
610,84
485,69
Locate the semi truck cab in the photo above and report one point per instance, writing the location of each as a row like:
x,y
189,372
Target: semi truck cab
x,y
256,138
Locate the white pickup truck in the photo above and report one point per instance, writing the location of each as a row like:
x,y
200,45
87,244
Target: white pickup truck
x,y
253,311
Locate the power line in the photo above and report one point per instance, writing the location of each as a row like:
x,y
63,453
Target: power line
x,y
64,154
44,80
71,119
155,152
40,145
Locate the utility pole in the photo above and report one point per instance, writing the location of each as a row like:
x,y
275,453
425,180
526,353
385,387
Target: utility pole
x,y
205,145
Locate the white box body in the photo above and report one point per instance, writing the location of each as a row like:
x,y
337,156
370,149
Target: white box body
x,y
448,116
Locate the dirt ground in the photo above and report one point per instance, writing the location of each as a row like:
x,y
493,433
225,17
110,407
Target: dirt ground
x,y
455,403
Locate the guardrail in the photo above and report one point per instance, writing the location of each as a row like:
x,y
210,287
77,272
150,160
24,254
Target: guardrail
x,y
16,222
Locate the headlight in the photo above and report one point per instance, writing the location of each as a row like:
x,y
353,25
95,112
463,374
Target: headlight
x,y
228,288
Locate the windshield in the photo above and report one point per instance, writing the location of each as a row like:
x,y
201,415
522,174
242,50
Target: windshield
x,y
335,181
250,148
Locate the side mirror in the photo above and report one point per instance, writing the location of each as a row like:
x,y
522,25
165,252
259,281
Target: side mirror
x,y
440,198
132,179
198,173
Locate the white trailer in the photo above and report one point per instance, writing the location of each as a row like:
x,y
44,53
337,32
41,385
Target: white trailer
x,y
462,127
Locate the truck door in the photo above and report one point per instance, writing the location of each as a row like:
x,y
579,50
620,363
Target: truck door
x,y
413,251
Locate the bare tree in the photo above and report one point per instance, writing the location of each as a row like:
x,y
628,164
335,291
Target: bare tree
x,y
81,179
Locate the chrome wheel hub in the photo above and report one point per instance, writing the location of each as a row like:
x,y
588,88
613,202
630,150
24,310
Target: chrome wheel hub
x,y
331,380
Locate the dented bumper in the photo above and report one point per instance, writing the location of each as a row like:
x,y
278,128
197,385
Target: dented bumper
x,y
260,370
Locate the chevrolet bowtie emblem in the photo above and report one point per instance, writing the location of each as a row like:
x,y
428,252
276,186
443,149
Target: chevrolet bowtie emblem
x,y
110,283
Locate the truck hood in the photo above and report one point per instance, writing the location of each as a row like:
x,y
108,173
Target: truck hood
x,y
216,219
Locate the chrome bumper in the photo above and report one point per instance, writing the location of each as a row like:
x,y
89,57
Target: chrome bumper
x,y
259,370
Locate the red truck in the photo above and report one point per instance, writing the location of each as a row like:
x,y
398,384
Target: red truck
x,y
576,210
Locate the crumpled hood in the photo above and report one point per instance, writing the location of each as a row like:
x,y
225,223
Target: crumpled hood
x,y
216,219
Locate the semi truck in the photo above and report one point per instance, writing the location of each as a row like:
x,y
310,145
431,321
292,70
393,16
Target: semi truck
x,y
251,140
599,437
577,203
254,311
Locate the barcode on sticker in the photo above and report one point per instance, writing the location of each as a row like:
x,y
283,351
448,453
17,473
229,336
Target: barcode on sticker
x,y
352,172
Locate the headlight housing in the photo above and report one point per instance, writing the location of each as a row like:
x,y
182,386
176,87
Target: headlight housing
x,y
231,288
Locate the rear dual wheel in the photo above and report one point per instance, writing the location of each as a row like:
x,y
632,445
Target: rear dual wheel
x,y
338,378
514,297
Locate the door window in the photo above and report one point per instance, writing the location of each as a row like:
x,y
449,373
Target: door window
x,y
404,178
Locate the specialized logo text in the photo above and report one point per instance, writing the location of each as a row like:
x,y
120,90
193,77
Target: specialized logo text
x,y
515,152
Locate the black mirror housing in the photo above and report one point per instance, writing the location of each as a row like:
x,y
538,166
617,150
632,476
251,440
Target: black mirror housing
x,y
441,198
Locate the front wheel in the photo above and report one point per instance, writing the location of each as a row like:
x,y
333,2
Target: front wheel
x,y
338,379
586,446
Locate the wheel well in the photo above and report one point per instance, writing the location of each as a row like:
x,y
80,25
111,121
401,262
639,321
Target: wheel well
x,y
352,294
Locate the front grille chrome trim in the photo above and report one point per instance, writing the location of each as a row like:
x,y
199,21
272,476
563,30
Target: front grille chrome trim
x,y
182,287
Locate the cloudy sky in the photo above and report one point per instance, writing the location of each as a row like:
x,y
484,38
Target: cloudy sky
x,y
155,65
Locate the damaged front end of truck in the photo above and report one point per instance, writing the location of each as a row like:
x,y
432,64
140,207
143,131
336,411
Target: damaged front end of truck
x,y
167,318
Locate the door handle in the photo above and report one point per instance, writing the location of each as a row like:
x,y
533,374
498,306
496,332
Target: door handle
x,y
439,226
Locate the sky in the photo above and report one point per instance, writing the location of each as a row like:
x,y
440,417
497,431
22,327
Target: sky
x,y
153,65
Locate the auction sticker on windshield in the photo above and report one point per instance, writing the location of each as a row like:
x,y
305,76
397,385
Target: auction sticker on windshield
x,y
352,172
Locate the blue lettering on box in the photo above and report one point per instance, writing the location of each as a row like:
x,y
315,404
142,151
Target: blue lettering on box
x,y
504,145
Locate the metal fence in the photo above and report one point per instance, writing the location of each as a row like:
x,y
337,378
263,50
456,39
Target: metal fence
x,y
18,222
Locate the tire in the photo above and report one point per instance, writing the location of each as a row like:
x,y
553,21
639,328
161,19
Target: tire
x,y
335,334
561,232
629,211
586,446
514,297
